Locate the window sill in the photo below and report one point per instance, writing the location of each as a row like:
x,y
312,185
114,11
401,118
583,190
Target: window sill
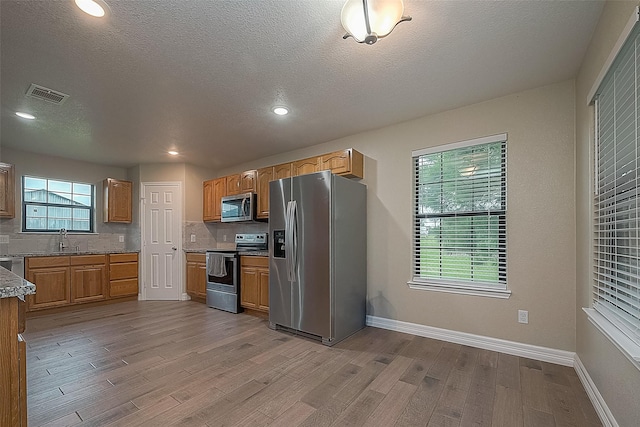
x,y
629,348
49,233
461,289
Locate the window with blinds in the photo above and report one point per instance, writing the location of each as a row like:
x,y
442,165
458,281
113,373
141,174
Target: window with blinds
x,y
460,205
616,290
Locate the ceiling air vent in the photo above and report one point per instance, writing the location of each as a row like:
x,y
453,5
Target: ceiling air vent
x,y
46,94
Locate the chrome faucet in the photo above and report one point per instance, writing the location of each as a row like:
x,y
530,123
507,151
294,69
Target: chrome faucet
x,y
63,235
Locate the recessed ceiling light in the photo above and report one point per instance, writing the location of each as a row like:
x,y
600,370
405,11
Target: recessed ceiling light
x,y
25,115
281,111
97,8
173,153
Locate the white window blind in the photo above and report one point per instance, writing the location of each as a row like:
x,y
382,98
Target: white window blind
x,y
616,290
460,215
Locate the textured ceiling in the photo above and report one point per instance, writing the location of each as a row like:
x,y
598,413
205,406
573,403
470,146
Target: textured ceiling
x,y
201,76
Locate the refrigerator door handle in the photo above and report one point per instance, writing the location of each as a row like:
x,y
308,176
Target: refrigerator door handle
x,y
294,243
288,239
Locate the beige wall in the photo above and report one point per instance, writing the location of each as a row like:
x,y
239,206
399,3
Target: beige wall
x,y
541,227
615,377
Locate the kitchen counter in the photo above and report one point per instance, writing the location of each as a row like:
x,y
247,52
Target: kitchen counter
x,y
70,253
12,285
240,252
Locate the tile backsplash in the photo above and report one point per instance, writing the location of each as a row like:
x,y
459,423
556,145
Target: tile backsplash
x,y
106,238
218,235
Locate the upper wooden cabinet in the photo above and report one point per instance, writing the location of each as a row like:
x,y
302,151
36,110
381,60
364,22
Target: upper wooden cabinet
x,y
305,166
282,171
213,191
264,176
348,163
233,184
248,181
118,197
207,201
7,191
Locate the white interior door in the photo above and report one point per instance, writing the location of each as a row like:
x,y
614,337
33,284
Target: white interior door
x,y
161,240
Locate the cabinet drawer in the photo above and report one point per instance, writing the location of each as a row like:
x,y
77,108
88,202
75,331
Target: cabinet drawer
x,y
47,261
123,257
123,270
196,257
121,288
254,261
88,259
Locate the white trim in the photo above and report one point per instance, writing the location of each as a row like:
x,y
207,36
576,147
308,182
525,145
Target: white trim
x,y
551,355
630,349
460,289
599,404
614,52
501,137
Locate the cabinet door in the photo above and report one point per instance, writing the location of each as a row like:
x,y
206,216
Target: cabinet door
x,y
201,282
52,288
118,196
88,282
193,273
219,191
249,288
263,293
248,182
7,191
265,175
207,201
348,163
282,171
305,166
233,184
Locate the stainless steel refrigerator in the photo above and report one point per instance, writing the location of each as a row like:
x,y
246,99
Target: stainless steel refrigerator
x,y
318,255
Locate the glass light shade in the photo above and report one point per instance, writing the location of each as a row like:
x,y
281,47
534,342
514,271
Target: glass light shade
x,y
383,17
91,7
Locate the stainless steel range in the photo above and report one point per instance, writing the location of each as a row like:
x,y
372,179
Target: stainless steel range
x,y
223,271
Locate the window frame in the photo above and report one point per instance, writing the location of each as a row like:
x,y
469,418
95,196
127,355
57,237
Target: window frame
x,y
26,203
497,289
601,315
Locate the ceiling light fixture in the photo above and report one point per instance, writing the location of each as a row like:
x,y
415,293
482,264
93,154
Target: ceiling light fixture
x,y
25,115
281,111
97,8
369,20
173,152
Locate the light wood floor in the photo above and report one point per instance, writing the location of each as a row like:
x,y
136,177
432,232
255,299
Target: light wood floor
x,y
181,363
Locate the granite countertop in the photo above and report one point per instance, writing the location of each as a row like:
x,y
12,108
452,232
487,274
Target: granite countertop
x,y
12,285
240,252
64,253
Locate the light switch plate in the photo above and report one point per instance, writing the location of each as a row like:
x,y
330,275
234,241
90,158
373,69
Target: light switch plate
x,y
193,238
4,239
523,316
121,239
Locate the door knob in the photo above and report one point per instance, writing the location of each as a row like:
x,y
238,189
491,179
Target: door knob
x,y
174,248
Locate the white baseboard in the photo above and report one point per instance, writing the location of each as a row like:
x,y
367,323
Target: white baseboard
x,y
606,417
185,297
560,357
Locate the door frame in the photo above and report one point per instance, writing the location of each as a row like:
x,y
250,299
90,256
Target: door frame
x,y
182,296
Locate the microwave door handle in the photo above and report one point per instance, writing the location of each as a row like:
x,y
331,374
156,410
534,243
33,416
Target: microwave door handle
x,y
244,200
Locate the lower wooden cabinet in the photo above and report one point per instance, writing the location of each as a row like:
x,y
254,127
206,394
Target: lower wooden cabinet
x,y
196,276
13,364
75,279
254,283
123,275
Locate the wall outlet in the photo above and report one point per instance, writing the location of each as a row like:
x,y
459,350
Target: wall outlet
x,y
224,238
523,316
121,239
4,239
193,238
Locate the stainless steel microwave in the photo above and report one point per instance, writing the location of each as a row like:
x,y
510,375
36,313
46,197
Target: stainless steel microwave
x,y
239,207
